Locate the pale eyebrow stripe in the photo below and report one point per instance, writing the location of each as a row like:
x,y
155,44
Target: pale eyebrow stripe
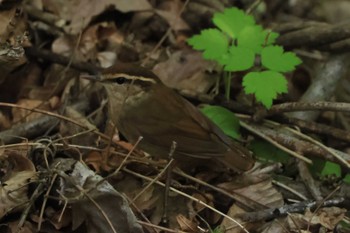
x,y
131,77
144,79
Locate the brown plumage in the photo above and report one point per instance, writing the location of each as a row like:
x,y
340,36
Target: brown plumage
x,y
141,105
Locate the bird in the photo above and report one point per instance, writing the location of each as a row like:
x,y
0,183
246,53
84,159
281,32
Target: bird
x,y
140,105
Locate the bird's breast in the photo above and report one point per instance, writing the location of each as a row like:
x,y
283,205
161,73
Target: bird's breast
x,y
131,111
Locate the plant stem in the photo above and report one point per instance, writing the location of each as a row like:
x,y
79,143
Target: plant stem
x,y
227,81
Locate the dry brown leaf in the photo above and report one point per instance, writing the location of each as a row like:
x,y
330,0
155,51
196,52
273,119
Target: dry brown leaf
x,y
63,45
186,71
26,115
5,19
132,5
186,224
11,57
80,12
147,200
258,189
175,22
12,23
104,33
274,226
177,204
208,199
17,171
54,102
171,12
94,160
26,228
82,137
327,217
230,226
106,59
4,121
54,217
108,212
210,216
12,38
131,187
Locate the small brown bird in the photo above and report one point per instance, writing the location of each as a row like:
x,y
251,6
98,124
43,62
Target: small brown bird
x,y
141,105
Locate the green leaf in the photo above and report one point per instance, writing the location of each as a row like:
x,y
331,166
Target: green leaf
x,y
347,179
317,166
323,168
232,21
224,119
331,169
267,152
273,58
251,37
212,41
270,37
265,86
238,59
218,229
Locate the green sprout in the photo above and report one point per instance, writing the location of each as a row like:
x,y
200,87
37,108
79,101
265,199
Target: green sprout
x,y
235,44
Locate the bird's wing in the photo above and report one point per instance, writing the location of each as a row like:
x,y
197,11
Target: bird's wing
x,y
171,118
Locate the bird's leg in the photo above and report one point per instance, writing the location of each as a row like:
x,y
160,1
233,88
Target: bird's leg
x,y
165,219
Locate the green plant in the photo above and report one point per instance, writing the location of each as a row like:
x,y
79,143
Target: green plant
x,y
326,169
224,119
235,44
266,152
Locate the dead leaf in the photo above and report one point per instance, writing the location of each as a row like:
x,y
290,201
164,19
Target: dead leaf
x,y
131,187
26,228
258,189
232,227
4,121
5,19
132,5
327,217
94,160
107,59
92,37
12,39
11,57
54,217
102,208
17,171
67,128
63,45
175,22
177,204
171,12
186,71
274,226
186,224
208,199
80,12
22,115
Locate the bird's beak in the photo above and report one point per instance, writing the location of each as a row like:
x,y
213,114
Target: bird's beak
x,y
96,78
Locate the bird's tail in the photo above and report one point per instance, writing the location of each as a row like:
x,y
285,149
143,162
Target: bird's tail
x,y
238,159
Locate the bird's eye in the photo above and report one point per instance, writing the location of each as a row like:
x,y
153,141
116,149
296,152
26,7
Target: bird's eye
x,y
119,80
